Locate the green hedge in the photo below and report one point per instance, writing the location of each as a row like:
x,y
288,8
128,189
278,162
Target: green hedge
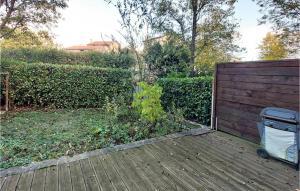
x,y
192,95
65,86
55,56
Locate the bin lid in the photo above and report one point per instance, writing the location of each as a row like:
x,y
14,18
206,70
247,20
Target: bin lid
x,y
280,114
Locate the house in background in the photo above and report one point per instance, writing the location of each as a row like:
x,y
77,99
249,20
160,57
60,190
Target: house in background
x,y
96,46
160,39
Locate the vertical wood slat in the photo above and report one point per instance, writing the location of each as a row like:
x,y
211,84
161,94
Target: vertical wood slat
x,y
65,183
2,180
52,179
89,175
77,177
25,181
39,178
247,85
11,182
101,175
214,96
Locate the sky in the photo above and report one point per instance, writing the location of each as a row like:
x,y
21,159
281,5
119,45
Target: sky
x,y
85,21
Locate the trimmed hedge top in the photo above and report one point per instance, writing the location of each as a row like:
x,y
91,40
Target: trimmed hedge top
x,y
55,56
192,95
65,86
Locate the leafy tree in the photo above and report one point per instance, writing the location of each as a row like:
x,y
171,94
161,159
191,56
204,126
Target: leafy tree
x,y
21,14
216,41
28,39
272,48
171,57
186,18
284,15
134,29
208,57
181,18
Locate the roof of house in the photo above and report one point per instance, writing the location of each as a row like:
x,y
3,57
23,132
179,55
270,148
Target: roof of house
x,y
93,45
101,43
80,47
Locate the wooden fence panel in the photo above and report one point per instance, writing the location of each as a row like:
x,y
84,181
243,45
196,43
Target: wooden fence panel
x,y
243,89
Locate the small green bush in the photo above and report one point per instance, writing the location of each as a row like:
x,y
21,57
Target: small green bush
x,y
55,56
192,95
147,101
65,86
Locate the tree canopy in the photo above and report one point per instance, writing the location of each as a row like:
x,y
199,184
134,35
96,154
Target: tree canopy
x,y
21,14
272,48
28,39
194,20
169,57
284,16
196,23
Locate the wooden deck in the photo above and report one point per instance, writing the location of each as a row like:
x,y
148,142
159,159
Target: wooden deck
x,y
214,161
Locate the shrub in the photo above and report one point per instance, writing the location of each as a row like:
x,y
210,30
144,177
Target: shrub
x,y
192,95
65,86
55,56
147,101
171,57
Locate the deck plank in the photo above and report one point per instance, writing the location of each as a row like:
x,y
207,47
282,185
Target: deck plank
x,y
65,183
2,180
217,164
247,149
234,171
199,181
204,165
77,179
149,162
101,175
51,183
175,176
160,182
90,178
144,174
214,161
25,181
128,170
39,179
244,161
11,182
125,174
113,174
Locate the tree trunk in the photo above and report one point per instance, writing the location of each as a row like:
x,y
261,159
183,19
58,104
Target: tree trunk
x,y
194,32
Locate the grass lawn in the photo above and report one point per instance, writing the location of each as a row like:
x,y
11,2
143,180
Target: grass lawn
x,y
31,136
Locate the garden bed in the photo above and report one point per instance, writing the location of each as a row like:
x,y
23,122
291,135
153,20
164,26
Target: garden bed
x,y
31,136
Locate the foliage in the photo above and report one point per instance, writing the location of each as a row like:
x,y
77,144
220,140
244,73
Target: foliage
x,y
191,95
27,39
171,57
40,135
56,56
207,58
17,14
183,18
216,41
272,48
32,136
133,31
147,101
284,16
65,86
